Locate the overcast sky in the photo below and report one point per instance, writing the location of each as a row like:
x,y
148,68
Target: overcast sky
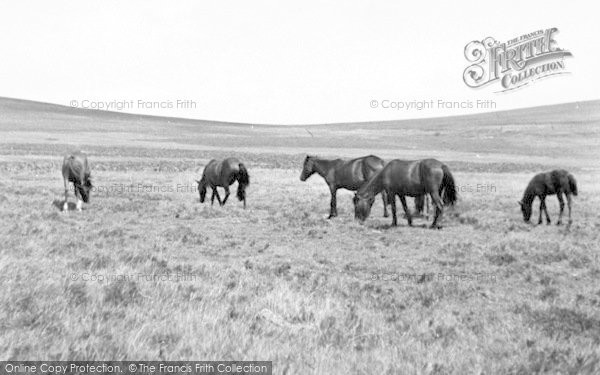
x,y
293,62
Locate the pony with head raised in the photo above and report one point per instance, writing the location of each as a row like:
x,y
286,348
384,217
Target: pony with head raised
x,y
75,169
343,174
557,182
223,174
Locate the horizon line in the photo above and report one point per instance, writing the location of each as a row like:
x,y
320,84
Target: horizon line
x,y
235,123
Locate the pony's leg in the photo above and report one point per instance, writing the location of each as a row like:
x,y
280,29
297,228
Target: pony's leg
x,y
540,221
66,204
546,211
419,204
561,202
212,197
226,195
333,204
422,202
384,198
216,192
438,206
392,201
79,200
406,210
569,205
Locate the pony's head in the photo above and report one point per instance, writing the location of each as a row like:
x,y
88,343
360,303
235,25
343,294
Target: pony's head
x,y
308,169
85,188
526,211
362,206
201,189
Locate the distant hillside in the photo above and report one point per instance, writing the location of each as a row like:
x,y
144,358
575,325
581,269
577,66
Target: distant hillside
x,y
547,133
24,110
576,112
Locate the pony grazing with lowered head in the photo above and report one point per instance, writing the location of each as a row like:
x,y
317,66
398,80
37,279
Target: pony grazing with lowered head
x,y
408,178
557,182
343,174
222,174
75,169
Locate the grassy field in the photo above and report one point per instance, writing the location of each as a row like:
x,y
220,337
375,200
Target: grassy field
x,y
147,272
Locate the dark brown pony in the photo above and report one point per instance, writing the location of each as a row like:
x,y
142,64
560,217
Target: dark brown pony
x,y
75,169
557,182
343,174
223,173
408,178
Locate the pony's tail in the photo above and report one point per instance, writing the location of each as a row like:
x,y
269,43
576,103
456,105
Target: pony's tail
x,y
243,180
87,180
449,186
86,187
572,184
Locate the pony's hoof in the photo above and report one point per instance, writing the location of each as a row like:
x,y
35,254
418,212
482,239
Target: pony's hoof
x,y
435,227
558,223
549,222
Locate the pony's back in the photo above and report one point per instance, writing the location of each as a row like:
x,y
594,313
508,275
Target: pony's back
x,y
75,167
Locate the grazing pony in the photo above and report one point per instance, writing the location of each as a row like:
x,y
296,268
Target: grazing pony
x,y
75,169
557,182
408,178
343,174
223,173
